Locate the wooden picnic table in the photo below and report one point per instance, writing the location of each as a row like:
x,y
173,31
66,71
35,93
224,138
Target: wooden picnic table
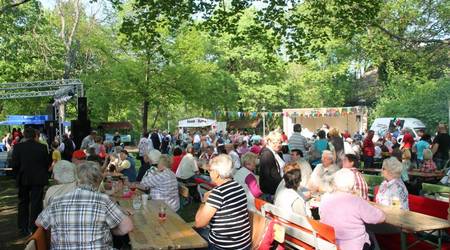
x,y
370,170
436,174
151,233
412,222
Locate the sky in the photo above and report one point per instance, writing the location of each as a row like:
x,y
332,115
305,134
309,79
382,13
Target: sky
x,y
89,7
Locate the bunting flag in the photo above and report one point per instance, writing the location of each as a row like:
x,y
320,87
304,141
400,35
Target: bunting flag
x,y
252,115
294,113
324,112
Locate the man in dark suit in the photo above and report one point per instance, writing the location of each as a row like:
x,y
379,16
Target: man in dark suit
x,y
30,162
156,140
271,164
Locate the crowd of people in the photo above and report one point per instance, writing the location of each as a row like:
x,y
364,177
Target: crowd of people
x,y
238,165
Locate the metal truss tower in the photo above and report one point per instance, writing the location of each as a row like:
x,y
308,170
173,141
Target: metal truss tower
x,y
61,91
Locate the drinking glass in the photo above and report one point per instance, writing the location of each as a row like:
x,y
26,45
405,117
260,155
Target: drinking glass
x,y
162,213
395,202
137,202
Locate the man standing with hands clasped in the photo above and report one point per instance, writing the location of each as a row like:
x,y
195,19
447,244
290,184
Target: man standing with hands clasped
x,y
30,162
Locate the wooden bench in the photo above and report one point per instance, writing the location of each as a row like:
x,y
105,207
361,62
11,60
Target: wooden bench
x,y
436,191
301,232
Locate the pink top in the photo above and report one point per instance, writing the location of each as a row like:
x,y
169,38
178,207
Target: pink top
x,y
349,226
253,186
256,149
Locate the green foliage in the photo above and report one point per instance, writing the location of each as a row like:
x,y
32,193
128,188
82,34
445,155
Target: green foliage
x,y
191,58
419,98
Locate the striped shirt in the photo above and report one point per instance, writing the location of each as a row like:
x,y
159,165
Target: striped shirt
x,y
81,219
230,225
361,188
163,186
298,141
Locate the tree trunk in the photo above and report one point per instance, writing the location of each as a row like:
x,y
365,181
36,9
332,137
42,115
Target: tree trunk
x,y
145,117
156,116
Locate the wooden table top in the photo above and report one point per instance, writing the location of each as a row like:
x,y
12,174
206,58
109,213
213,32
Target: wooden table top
x,y
370,170
411,221
416,173
151,233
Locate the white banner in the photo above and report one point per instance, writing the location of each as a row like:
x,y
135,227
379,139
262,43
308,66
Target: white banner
x,y
196,123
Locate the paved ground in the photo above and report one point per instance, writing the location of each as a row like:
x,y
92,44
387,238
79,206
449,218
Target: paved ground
x,y
9,237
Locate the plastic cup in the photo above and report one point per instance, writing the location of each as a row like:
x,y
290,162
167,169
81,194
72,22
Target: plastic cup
x,y
137,203
144,199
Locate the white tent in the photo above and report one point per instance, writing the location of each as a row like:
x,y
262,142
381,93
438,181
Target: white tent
x,y
196,123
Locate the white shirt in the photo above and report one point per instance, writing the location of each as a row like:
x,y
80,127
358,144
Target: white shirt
x,y
87,142
306,171
143,146
377,152
279,160
322,178
289,200
235,158
239,177
188,167
197,138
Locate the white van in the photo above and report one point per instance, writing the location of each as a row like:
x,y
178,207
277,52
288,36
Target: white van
x,y
381,125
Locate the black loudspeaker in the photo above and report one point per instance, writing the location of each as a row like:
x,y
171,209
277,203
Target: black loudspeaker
x,y
50,111
50,130
79,130
82,109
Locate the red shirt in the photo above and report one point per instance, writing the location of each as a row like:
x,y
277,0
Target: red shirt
x,y
176,162
346,135
368,147
284,137
408,141
255,149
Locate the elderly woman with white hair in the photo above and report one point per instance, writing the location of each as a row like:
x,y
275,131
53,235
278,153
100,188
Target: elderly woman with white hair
x,y
348,213
64,175
225,209
392,189
247,178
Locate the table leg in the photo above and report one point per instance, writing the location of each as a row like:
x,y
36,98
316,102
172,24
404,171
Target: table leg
x,y
440,239
403,240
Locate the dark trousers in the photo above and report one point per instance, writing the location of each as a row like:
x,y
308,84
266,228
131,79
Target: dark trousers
x,y
368,161
30,206
142,170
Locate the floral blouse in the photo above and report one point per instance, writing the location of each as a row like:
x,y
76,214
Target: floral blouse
x,y
394,188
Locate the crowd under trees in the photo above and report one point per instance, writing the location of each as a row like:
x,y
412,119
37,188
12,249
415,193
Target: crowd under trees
x,y
148,62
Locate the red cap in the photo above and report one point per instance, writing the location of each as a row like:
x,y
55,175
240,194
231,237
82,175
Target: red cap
x,y
79,154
